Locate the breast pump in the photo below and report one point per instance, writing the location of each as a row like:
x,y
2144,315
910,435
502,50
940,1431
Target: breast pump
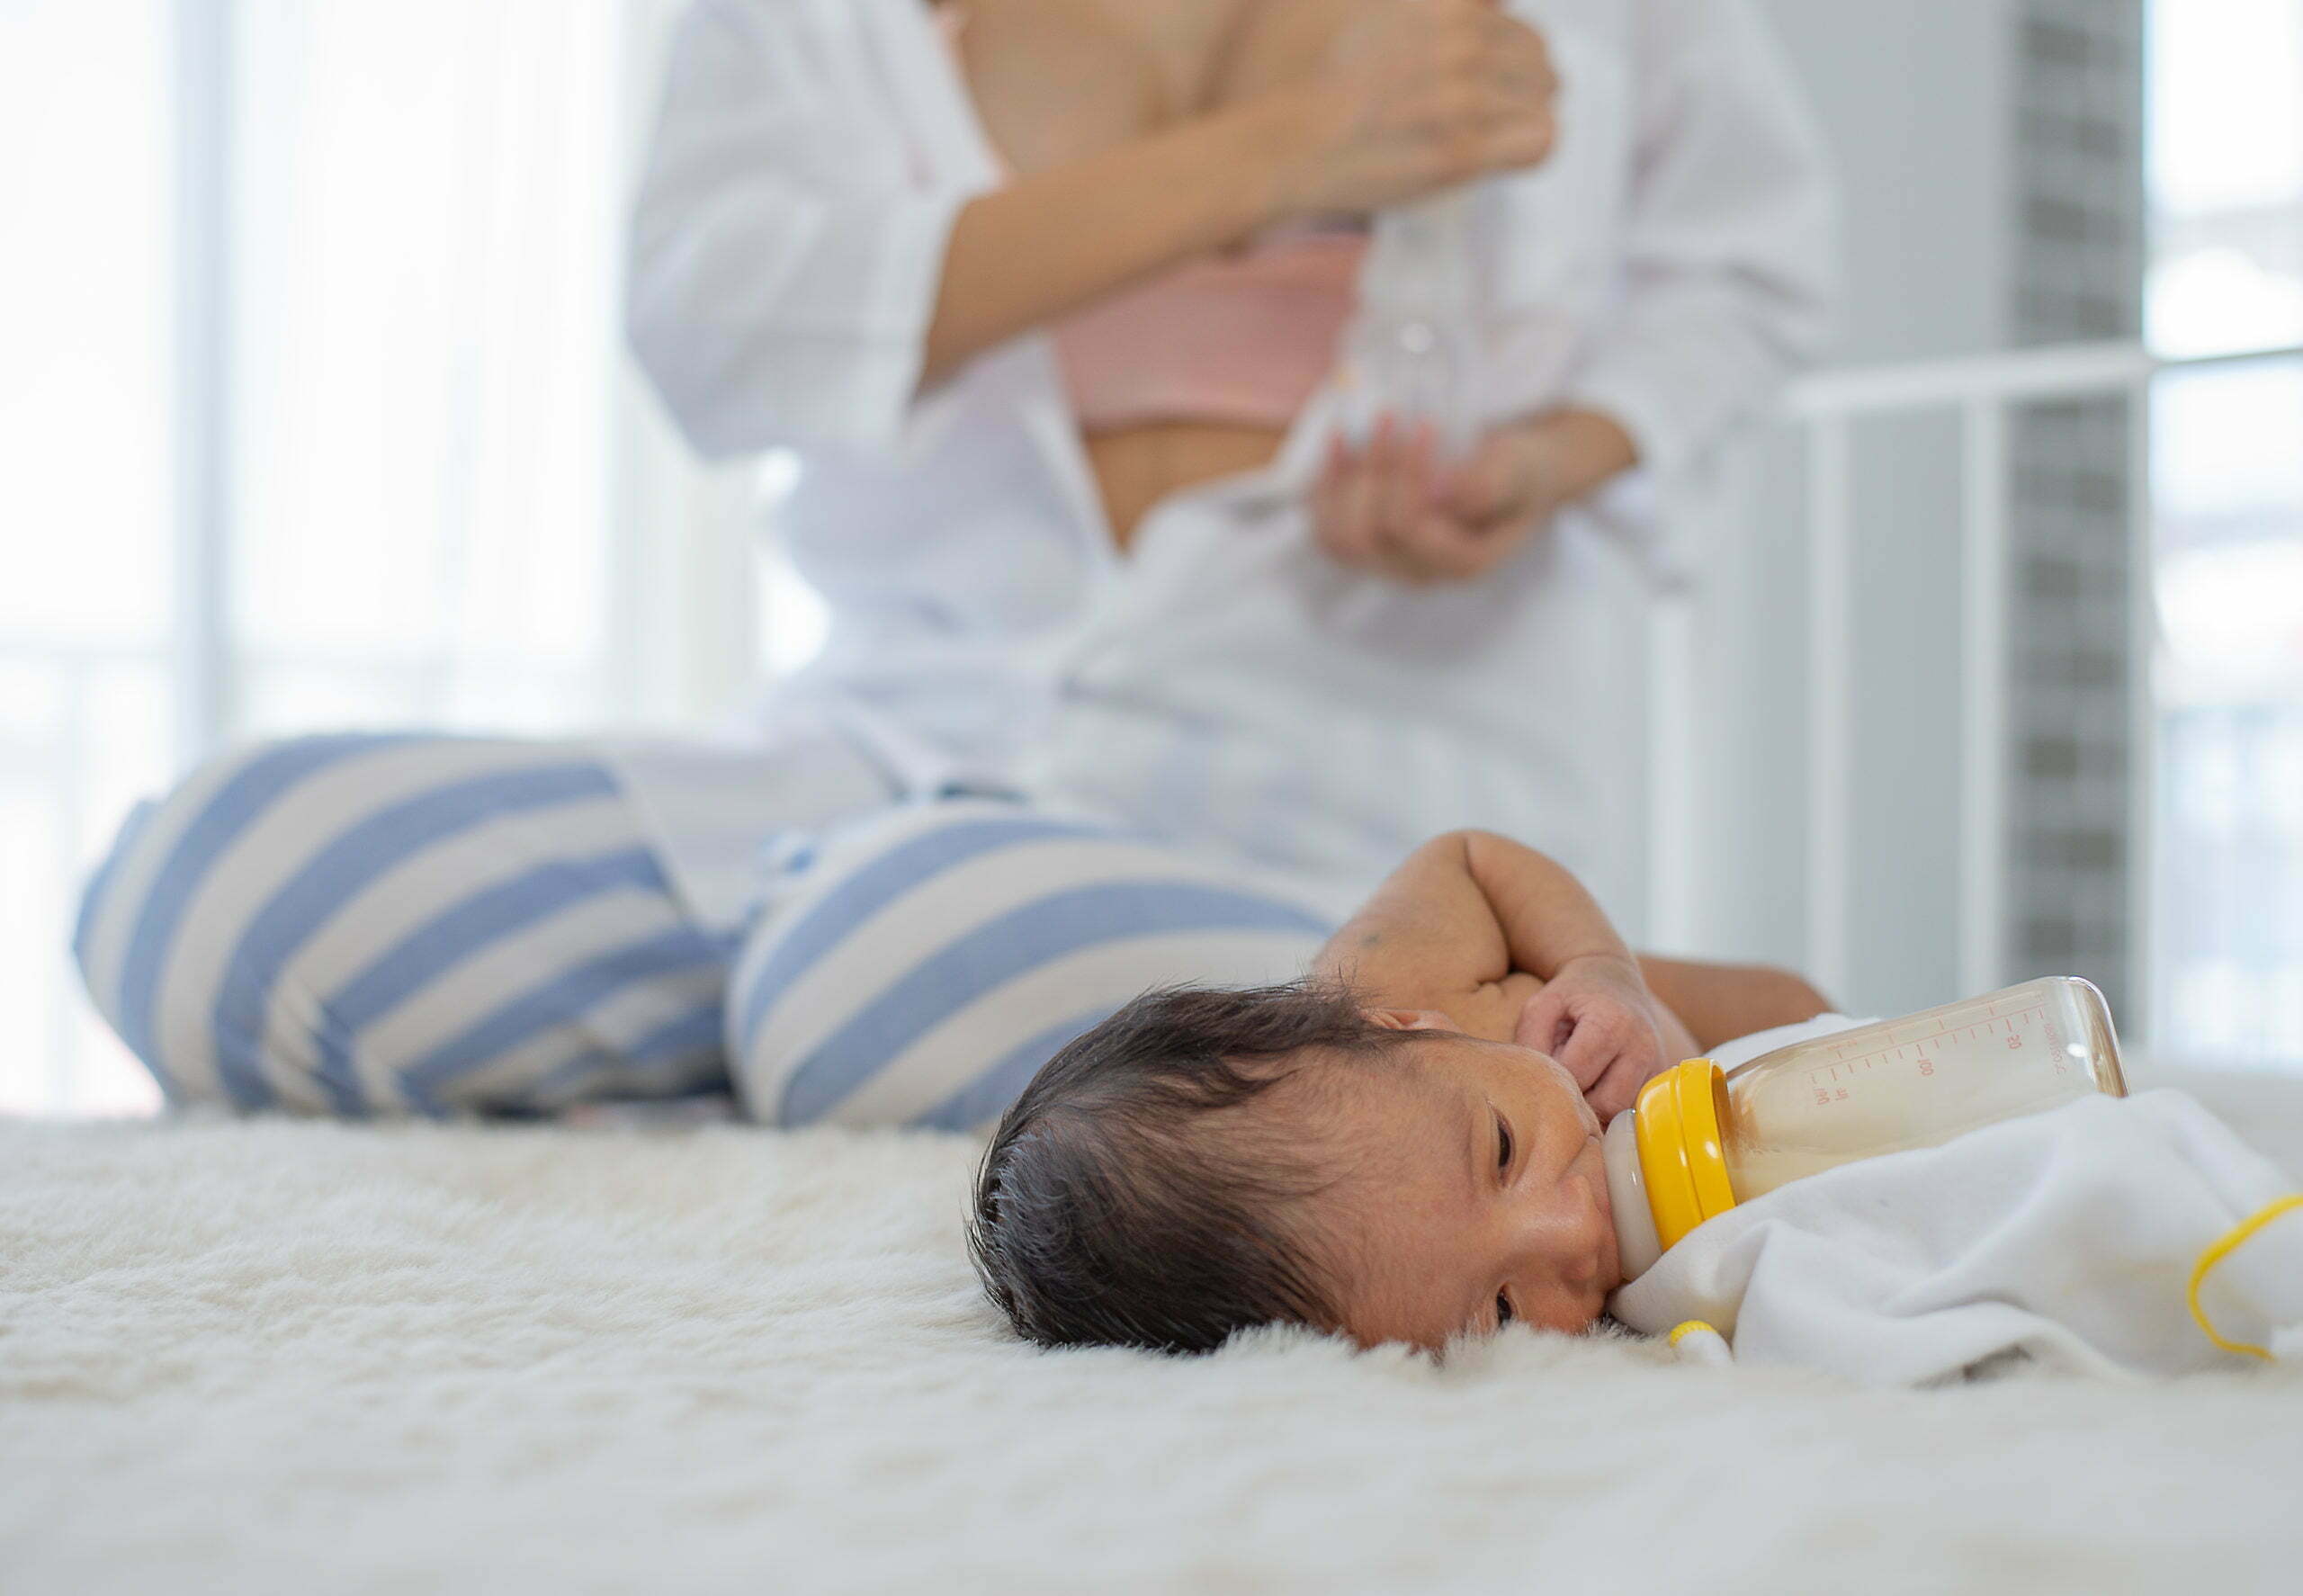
x,y
1412,353
1701,1140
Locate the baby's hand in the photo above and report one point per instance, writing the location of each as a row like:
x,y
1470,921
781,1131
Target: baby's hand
x,y
1596,1017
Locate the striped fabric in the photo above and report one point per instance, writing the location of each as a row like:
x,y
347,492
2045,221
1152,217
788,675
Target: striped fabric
x,y
369,925
923,964
364,925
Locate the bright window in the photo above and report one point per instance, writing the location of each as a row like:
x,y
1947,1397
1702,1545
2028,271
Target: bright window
x,y
2226,163
446,499
86,414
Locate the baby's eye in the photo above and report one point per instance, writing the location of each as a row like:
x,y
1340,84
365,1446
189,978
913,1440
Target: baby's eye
x,y
1503,1314
1503,1143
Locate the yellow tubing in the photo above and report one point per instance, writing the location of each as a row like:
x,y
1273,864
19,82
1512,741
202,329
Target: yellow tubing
x,y
2232,1240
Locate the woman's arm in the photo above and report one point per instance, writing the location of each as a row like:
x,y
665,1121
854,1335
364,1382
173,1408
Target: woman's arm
x,y
1725,273
1407,97
1728,261
790,280
1046,244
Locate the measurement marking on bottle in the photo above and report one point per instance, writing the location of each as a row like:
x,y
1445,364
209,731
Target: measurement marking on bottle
x,y
2003,1028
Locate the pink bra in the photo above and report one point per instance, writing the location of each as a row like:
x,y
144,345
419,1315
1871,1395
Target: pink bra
x,y
1243,336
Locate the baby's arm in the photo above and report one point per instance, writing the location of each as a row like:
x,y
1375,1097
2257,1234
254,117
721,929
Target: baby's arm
x,y
1510,947
1463,912
1720,1002
1506,942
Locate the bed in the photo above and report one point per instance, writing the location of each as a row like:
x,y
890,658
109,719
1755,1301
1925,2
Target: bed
x,y
274,1356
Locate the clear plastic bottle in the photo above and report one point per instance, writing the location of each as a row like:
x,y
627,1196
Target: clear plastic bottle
x,y
1701,1140
1412,353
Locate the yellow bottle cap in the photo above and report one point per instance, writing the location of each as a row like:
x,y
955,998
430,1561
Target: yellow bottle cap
x,y
1680,1155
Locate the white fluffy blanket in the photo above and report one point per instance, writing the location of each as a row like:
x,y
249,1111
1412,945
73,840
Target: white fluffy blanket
x,y
280,1356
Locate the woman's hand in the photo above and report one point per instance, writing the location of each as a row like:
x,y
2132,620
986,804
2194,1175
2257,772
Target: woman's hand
x,y
1389,507
1413,95
1596,1017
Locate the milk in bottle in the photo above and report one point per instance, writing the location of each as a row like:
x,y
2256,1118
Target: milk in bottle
x,y
1701,1140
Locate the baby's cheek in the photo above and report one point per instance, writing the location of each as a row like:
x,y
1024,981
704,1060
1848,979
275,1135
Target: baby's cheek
x,y
1554,1075
1557,1079
1571,1311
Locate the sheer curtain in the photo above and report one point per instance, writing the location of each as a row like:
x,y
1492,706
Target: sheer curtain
x,y
452,506
333,420
422,308
85,430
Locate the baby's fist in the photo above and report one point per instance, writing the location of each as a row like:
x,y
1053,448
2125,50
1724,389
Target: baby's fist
x,y
1595,1016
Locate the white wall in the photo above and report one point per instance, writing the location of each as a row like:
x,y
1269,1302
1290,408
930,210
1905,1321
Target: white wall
x,y
1914,100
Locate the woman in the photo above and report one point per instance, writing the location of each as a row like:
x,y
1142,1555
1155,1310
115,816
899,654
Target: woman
x,y
1121,563
1120,570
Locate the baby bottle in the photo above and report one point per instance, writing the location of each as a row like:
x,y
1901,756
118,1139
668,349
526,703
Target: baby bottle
x,y
1700,1141
1411,353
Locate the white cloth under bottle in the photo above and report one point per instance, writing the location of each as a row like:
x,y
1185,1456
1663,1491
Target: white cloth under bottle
x,y
2068,1238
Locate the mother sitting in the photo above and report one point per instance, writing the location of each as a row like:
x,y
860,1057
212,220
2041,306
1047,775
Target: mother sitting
x,y
1042,297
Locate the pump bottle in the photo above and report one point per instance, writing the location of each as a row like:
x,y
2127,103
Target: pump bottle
x,y
1412,352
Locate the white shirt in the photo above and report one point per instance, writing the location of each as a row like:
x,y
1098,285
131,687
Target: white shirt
x,y
1223,683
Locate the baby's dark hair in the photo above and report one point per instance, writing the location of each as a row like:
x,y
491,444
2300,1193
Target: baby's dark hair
x,y
1106,1212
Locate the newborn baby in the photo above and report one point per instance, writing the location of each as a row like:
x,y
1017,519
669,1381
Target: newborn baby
x,y
1404,1146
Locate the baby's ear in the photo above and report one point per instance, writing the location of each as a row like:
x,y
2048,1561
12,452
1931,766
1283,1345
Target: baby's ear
x,y
1409,1019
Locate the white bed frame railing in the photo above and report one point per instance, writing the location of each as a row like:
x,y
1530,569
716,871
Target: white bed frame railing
x,y
1981,390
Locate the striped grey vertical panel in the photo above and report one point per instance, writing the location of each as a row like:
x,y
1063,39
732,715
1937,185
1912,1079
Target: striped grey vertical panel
x,y
2080,245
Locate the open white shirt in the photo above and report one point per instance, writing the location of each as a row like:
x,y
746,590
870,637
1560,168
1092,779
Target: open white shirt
x,y
1224,684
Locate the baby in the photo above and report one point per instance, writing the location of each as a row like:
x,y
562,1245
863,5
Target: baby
x,y
1404,1146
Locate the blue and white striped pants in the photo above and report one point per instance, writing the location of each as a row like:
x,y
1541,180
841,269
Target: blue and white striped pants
x,y
376,925
921,964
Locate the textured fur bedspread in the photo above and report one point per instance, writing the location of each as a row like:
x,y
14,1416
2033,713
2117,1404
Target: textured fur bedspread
x,y
275,1356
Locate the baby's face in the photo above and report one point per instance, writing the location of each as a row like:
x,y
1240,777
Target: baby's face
x,y
1477,1197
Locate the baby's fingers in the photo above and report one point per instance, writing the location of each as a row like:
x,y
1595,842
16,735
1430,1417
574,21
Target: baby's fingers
x,y
1592,1047
1609,1033
1618,1088
1543,1022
